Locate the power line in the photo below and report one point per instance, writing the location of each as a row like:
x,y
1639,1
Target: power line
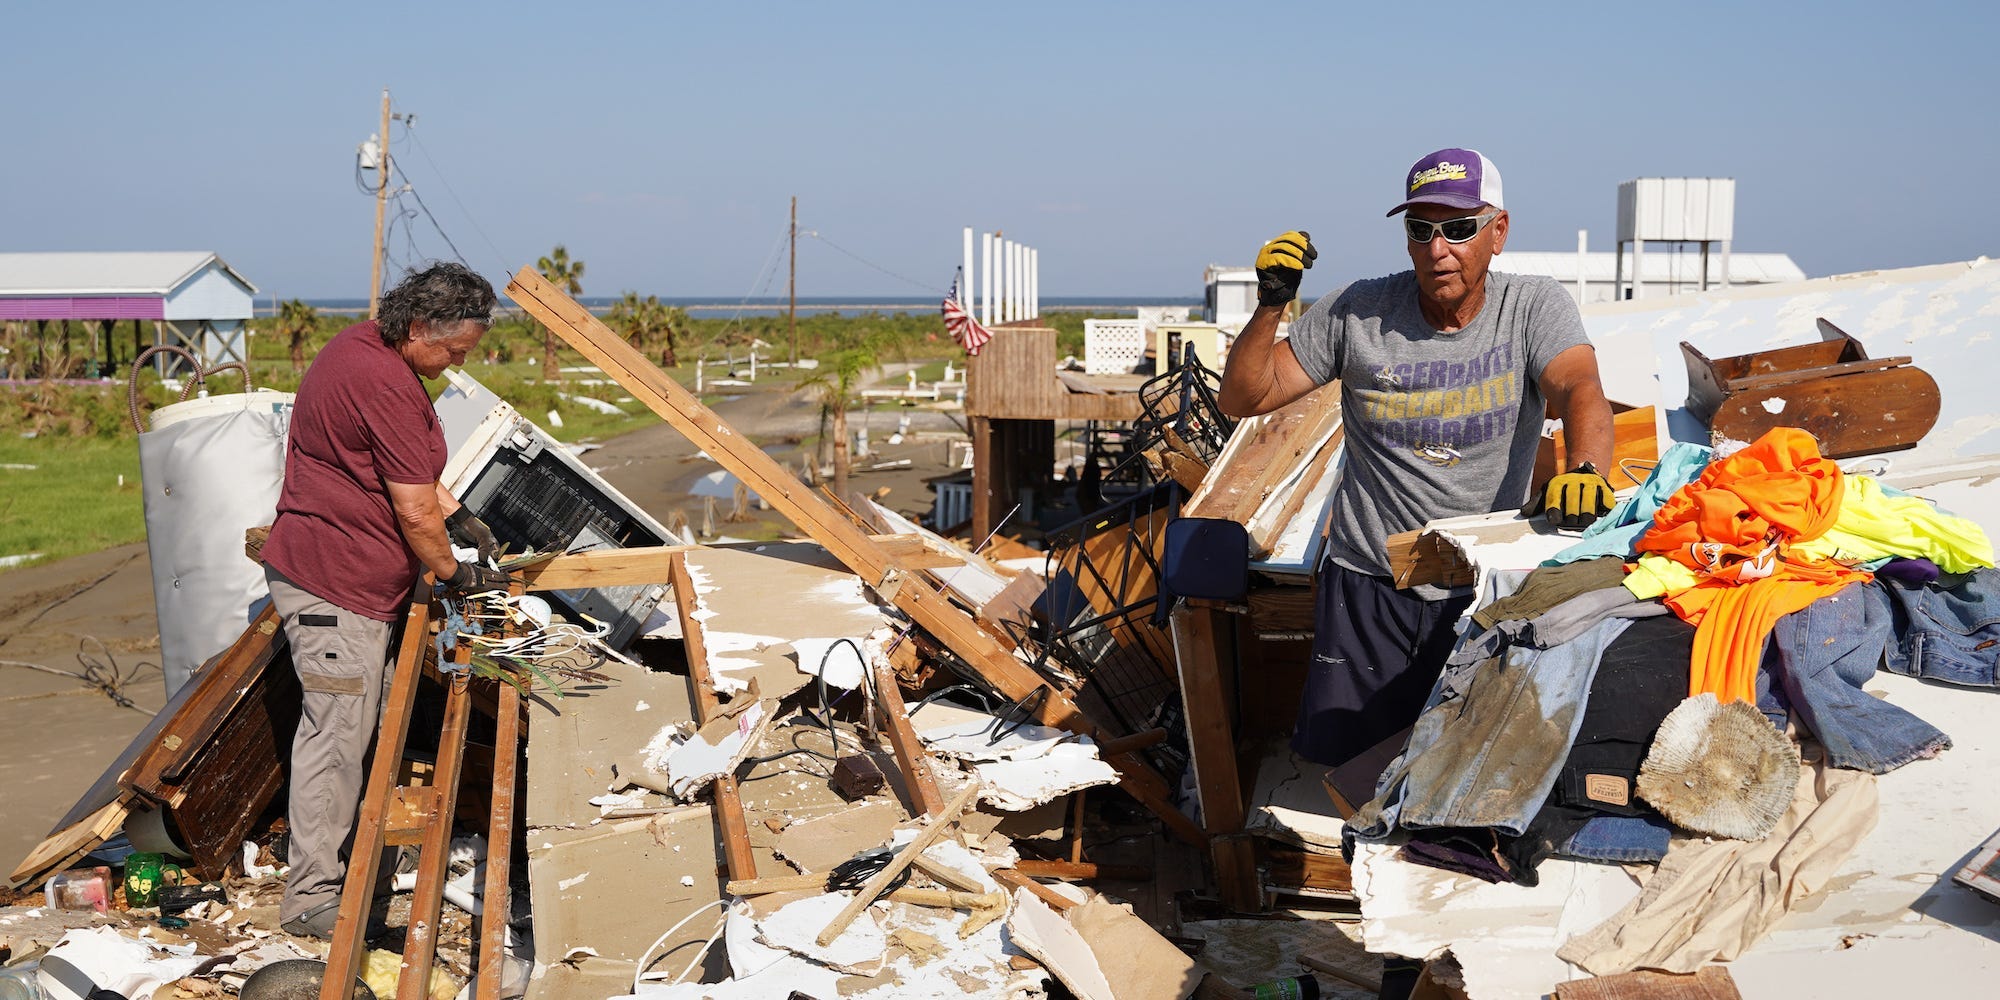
x,y
412,189
448,190
870,263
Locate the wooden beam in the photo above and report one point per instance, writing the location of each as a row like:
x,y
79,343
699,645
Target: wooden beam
x,y
914,595
879,882
1198,633
1271,520
1261,452
1010,877
1071,871
433,857
729,817
910,755
648,564
343,954
499,896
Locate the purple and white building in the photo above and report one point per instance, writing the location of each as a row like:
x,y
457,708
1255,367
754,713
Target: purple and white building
x,y
122,303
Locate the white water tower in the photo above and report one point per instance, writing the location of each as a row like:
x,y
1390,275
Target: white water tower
x,y
1673,210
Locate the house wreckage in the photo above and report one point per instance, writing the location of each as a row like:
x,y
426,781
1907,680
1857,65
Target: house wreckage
x,y
873,762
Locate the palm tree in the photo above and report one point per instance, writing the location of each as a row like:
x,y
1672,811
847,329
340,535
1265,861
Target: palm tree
x,y
836,381
297,321
565,274
647,322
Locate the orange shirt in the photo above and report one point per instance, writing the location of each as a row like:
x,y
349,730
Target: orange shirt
x,y
1734,527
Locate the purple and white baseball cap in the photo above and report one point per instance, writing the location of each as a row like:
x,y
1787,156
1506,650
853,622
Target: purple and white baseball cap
x,y
1460,178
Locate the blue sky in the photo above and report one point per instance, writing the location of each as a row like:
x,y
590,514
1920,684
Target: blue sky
x,y
1131,143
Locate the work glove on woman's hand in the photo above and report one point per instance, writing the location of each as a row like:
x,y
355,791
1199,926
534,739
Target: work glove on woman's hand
x,y
468,530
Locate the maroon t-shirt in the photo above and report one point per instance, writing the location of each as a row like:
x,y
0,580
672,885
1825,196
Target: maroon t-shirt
x,y
361,419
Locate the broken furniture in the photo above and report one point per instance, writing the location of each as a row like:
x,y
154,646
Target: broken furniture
x,y
1851,403
201,773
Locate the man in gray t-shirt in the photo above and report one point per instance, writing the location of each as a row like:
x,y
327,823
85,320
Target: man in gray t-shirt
x,y
1445,372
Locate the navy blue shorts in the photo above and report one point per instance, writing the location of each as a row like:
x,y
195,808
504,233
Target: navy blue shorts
x,y
1377,652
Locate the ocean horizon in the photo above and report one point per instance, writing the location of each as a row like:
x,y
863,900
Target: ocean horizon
x,y
713,307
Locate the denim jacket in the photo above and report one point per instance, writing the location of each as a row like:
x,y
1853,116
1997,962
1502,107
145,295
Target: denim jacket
x,y
1819,658
1947,631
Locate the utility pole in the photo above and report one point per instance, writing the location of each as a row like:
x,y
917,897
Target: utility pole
x,y
381,203
792,285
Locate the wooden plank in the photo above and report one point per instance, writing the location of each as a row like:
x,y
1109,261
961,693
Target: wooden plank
x,y
1010,877
879,882
1417,557
1289,868
1271,519
729,816
1082,871
434,856
910,755
648,564
916,597
1851,415
343,954
499,896
1261,452
1634,436
1285,610
67,846
1197,633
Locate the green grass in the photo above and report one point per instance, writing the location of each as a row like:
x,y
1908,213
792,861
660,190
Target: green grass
x,y
71,502
80,440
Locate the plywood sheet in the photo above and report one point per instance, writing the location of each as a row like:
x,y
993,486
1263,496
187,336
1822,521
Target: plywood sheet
x,y
752,601
574,742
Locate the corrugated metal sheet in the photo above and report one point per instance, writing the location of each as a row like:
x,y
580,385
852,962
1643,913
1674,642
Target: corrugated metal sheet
x,y
90,273
82,307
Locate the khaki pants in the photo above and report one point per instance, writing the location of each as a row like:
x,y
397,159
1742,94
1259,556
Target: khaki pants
x,y
343,664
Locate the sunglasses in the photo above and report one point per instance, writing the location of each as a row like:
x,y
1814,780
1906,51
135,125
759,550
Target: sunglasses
x,y
1456,230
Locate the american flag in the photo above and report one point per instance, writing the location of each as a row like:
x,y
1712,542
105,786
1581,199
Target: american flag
x,y
964,329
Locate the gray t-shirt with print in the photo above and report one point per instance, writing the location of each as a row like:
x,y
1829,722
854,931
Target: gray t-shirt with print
x,y
1437,424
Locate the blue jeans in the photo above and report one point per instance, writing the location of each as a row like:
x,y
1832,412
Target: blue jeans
x,y
1821,656
1489,757
1947,631
1623,839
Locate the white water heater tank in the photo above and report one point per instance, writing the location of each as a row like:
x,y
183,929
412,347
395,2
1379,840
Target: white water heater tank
x,y
211,469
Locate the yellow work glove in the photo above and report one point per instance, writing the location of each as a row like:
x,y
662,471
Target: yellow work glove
x,y
1281,265
1577,498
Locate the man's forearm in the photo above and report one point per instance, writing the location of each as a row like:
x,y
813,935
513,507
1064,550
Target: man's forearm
x,y
1587,431
1251,376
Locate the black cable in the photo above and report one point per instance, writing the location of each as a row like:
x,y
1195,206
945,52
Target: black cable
x,y
453,193
412,188
854,873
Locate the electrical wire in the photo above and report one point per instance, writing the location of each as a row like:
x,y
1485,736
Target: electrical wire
x,y
428,214
878,267
101,675
640,972
448,190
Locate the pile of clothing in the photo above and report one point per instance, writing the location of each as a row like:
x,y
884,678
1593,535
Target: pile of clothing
x,y
1688,679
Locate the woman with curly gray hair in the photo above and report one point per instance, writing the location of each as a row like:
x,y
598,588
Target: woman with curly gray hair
x,y
361,516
